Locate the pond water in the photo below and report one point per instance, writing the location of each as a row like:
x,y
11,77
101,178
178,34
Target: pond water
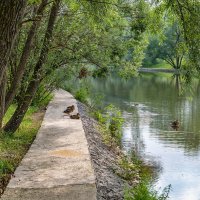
x,y
148,104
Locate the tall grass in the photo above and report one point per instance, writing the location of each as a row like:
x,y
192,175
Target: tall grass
x,y
145,191
111,121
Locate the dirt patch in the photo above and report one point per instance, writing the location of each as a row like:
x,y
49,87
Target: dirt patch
x,y
38,116
66,153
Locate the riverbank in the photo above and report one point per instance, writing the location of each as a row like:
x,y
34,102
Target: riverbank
x,y
156,70
117,176
104,160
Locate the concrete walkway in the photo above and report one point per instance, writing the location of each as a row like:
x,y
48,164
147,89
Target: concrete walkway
x,y
58,165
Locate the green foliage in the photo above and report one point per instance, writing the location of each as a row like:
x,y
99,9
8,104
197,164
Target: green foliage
x,y
82,94
105,36
101,72
33,1
95,101
114,121
42,97
100,117
170,47
151,52
128,170
187,14
144,191
5,168
96,10
140,17
111,121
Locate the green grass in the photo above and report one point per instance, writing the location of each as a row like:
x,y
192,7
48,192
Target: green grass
x,y
110,120
144,191
162,65
13,147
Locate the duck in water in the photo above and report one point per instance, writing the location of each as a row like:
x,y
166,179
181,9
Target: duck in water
x,y
175,125
69,109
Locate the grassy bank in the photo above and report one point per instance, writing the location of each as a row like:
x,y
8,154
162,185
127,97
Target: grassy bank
x,y
14,147
132,169
162,65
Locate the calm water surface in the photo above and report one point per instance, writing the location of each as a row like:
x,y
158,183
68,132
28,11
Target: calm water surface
x,y
148,105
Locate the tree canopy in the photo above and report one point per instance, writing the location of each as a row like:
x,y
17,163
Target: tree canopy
x,y
55,40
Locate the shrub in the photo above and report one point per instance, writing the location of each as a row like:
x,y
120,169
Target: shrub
x,y
111,121
82,95
114,122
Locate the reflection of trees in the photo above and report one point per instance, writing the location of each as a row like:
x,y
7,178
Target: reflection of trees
x,y
161,97
133,123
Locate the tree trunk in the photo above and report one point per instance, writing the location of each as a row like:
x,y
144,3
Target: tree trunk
x,y
2,100
22,108
11,13
15,121
15,84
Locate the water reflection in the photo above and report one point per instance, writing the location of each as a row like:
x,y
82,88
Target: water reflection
x,y
149,104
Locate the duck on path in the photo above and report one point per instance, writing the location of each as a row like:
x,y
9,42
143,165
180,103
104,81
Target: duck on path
x,y
77,116
69,109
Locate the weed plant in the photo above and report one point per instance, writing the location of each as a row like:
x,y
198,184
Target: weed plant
x,y
145,191
111,123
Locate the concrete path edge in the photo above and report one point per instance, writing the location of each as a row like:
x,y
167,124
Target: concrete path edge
x,y
58,164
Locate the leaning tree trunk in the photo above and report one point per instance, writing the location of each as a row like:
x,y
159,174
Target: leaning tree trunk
x,y
15,84
2,99
11,13
22,108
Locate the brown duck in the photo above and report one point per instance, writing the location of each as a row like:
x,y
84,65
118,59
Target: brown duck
x,y
77,116
175,124
69,109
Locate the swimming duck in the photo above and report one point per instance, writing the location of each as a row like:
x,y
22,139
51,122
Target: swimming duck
x,y
69,109
77,116
175,124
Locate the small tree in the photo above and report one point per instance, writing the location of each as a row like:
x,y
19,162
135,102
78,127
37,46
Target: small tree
x,y
173,48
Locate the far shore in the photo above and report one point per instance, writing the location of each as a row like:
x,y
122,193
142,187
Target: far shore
x,y
155,70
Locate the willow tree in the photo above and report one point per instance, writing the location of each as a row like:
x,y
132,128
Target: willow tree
x,y
102,35
39,70
186,12
19,114
28,46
